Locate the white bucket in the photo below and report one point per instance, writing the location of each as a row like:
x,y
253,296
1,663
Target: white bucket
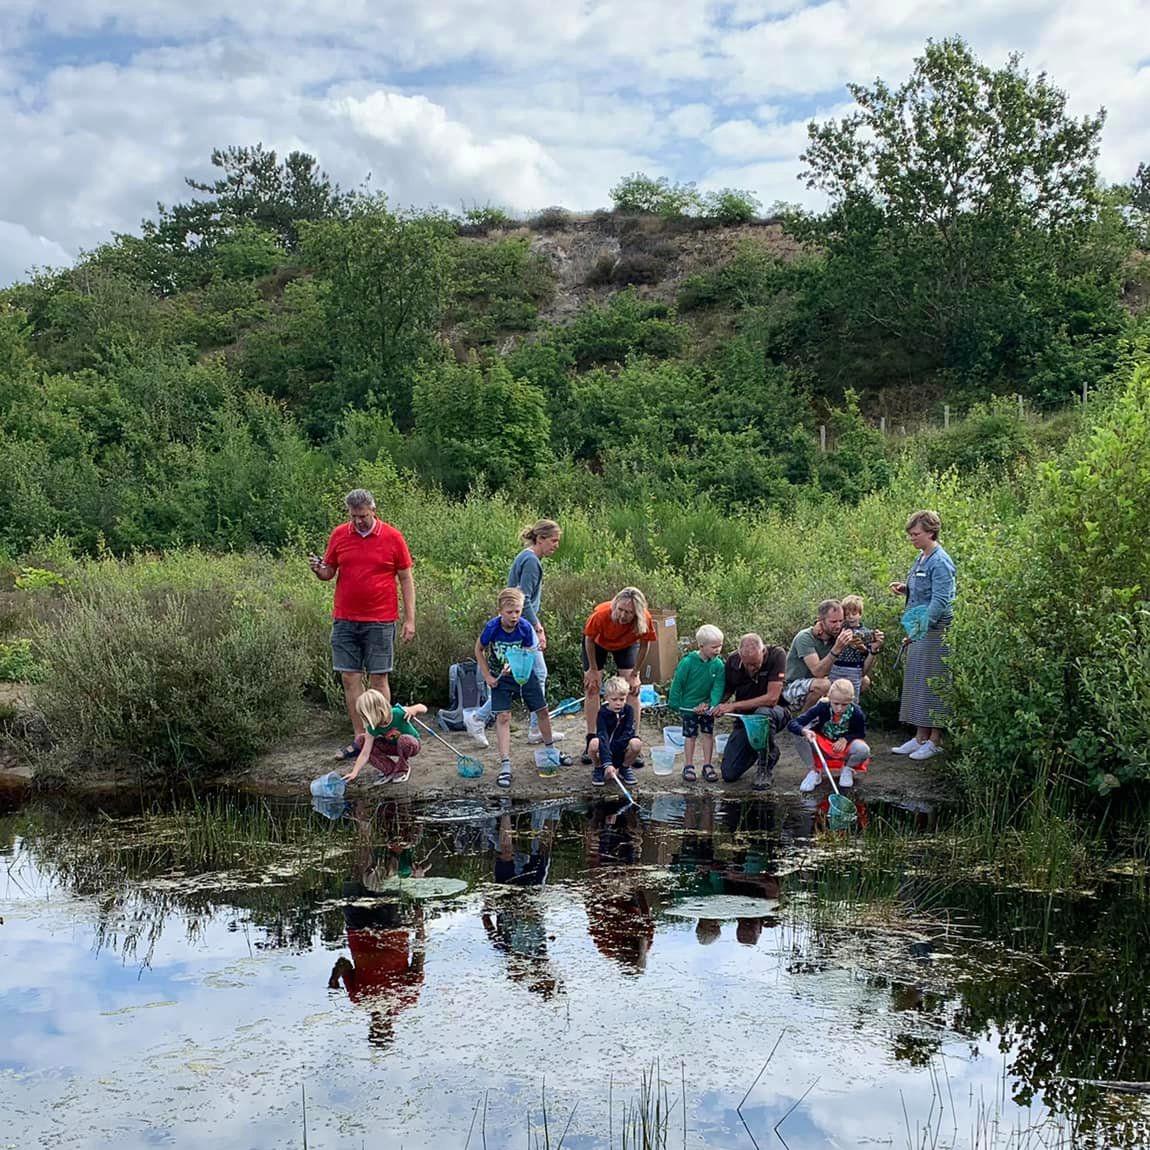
x,y
663,760
721,743
673,738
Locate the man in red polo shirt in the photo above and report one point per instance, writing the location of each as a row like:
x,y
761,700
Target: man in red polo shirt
x,y
365,556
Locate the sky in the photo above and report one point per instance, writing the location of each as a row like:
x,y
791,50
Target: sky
x,y
106,105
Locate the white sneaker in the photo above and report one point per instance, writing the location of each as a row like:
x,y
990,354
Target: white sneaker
x,y
475,728
928,750
810,782
846,777
912,744
534,735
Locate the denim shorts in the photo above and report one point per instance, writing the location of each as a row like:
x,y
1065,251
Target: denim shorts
x,y
358,647
695,724
507,690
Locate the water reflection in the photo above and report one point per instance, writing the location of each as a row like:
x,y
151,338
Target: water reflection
x,y
707,918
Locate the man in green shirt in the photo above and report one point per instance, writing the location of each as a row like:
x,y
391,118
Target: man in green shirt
x,y
812,655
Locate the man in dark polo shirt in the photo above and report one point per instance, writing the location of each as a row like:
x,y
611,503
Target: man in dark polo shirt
x,y
366,557
754,677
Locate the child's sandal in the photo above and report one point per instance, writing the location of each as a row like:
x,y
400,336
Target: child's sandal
x,y
710,775
689,775
504,778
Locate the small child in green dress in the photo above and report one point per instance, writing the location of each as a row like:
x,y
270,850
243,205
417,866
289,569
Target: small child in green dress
x,y
696,690
389,739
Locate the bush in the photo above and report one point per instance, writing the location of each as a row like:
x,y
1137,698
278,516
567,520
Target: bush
x,y
167,677
731,206
550,220
18,664
992,436
641,194
478,221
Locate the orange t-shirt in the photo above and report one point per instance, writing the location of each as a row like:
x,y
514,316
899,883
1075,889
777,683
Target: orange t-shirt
x,y
612,636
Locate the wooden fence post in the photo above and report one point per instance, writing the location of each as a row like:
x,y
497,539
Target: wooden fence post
x,y
946,416
822,437
882,424
1021,408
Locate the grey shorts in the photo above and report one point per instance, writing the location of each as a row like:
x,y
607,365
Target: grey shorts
x,y
358,647
795,692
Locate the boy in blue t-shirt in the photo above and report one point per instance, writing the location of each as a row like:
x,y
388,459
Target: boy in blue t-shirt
x,y
506,631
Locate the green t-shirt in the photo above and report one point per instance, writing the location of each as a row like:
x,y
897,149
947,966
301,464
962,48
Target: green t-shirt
x,y
805,643
696,681
399,725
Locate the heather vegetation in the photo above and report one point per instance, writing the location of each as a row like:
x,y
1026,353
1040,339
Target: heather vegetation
x,y
181,410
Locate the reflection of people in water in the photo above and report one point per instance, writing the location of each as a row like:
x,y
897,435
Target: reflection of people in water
x,y
385,973
707,931
619,916
514,921
386,937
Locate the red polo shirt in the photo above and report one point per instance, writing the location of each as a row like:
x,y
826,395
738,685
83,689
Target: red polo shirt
x,y
365,572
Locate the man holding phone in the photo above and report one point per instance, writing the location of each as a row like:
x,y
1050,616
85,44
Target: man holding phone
x,y
367,558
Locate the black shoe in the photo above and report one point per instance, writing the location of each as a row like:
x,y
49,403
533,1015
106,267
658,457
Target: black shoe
x,y
585,758
638,764
627,774
762,781
598,777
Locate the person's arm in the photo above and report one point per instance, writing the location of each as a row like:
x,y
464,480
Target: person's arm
x,y
857,726
414,709
603,735
362,757
675,694
941,590
325,568
807,719
749,706
527,577
819,668
407,590
481,659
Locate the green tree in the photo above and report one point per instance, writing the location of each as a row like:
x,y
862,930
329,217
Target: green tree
x,y
640,194
479,422
389,275
959,204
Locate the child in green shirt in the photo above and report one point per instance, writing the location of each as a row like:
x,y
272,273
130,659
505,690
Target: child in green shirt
x,y
697,688
389,739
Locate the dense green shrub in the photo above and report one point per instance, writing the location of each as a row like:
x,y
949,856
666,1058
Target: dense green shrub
x,y
550,219
730,206
1047,666
641,194
18,662
175,680
992,435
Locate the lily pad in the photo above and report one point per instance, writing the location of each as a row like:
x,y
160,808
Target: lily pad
x,y
724,906
426,886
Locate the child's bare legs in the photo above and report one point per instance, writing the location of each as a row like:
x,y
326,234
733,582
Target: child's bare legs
x,y
634,750
593,751
689,750
706,745
543,715
503,734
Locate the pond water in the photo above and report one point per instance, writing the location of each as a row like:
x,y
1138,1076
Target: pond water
x,y
235,972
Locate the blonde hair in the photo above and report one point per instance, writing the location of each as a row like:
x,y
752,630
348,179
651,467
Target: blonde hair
x,y
927,520
540,529
708,633
639,602
510,596
843,690
850,601
616,685
374,707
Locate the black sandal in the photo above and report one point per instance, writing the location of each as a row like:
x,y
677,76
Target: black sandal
x,y
585,758
710,775
689,775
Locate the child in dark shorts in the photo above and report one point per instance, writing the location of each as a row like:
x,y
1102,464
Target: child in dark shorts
x,y
696,690
509,629
615,745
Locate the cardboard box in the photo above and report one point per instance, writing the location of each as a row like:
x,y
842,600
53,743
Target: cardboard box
x,y
663,654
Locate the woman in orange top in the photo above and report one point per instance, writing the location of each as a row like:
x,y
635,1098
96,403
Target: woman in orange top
x,y
621,628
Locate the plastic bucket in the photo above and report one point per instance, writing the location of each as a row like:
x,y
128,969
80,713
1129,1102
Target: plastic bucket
x,y
758,730
663,760
547,761
521,660
329,786
721,743
673,738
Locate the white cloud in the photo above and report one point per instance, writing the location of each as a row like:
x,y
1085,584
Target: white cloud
x,y
519,103
21,250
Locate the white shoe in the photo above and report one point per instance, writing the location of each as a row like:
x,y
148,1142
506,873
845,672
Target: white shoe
x,y
535,735
928,750
810,782
475,728
911,745
846,777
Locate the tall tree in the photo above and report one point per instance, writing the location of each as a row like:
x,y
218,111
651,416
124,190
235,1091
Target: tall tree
x,y
959,202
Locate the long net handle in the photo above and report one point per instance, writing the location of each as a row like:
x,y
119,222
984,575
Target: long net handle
x,y
435,735
822,759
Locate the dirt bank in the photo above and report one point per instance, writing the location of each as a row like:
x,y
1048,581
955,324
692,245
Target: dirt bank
x,y
290,767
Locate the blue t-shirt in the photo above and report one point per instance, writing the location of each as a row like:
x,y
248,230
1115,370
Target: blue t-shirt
x,y
497,641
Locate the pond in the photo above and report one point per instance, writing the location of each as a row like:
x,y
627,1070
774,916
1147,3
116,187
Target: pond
x,y
232,971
